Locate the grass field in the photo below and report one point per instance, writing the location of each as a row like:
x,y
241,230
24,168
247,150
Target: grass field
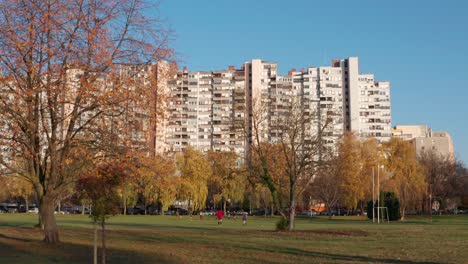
x,y
164,239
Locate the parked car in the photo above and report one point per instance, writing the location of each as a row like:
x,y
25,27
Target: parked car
x,y
210,212
259,212
9,207
207,212
168,212
12,210
34,210
309,213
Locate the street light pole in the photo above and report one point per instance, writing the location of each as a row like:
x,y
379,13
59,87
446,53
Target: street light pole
x,y
373,196
378,194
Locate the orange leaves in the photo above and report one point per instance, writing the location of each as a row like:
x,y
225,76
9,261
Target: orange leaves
x,y
100,186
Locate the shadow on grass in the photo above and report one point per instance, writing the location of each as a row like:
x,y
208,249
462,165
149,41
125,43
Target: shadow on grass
x,y
19,250
72,223
335,257
15,238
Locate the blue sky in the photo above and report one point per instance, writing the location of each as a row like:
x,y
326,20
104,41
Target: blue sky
x,y
421,47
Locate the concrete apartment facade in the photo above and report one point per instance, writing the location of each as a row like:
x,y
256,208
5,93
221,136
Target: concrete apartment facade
x,y
424,139
206,110
216,110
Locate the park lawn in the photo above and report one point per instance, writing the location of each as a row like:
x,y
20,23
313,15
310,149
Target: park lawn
x,y
165,239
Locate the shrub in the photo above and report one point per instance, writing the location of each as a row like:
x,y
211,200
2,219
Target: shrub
x,y
389,200
393,205
282,224
369,210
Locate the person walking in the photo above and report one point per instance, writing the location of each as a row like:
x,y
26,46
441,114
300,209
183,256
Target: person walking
x,y
219,216
244,218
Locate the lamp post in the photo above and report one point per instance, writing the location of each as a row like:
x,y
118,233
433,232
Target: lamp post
x,y
373,196
378,194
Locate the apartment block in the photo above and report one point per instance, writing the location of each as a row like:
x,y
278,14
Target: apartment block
x,y
345,100
141,120
424,139
207,111
221,109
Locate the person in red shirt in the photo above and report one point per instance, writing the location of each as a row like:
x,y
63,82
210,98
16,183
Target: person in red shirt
x,y
219,217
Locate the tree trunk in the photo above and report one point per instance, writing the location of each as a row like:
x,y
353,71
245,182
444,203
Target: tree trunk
x,y
39,220
103,226
26,203
224,206
95,253
125,205
189,209
430,207
46,210
82,209
292,214
292,207
402,212
329,211
272,210
271,186
39,217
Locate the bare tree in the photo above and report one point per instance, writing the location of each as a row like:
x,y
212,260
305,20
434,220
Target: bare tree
x,y
58,62
260,152
292,141
327,184
443,177
301,149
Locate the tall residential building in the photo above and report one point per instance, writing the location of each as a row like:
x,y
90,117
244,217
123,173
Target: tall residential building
x,y
424,139
355,102
207,110
141,120
217,110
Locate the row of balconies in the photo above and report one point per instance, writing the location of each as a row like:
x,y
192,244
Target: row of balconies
x,y
378,107
377,120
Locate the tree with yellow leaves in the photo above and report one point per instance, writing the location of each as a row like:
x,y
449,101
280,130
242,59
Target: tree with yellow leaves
x,y
406,175
349,167
152,179
194,173
127,193
228,181
371,157
23,188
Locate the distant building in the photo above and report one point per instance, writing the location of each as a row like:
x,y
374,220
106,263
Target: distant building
x,y
213,110
206,110
424,139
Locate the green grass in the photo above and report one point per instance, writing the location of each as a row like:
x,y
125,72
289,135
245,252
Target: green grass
x,y
165,239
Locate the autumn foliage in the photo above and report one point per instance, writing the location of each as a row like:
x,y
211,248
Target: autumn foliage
x,y
59,63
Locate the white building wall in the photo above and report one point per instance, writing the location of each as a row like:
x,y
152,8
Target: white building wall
x,y
205,105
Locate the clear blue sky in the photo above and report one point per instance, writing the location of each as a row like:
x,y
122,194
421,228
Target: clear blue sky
x,y
421,47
